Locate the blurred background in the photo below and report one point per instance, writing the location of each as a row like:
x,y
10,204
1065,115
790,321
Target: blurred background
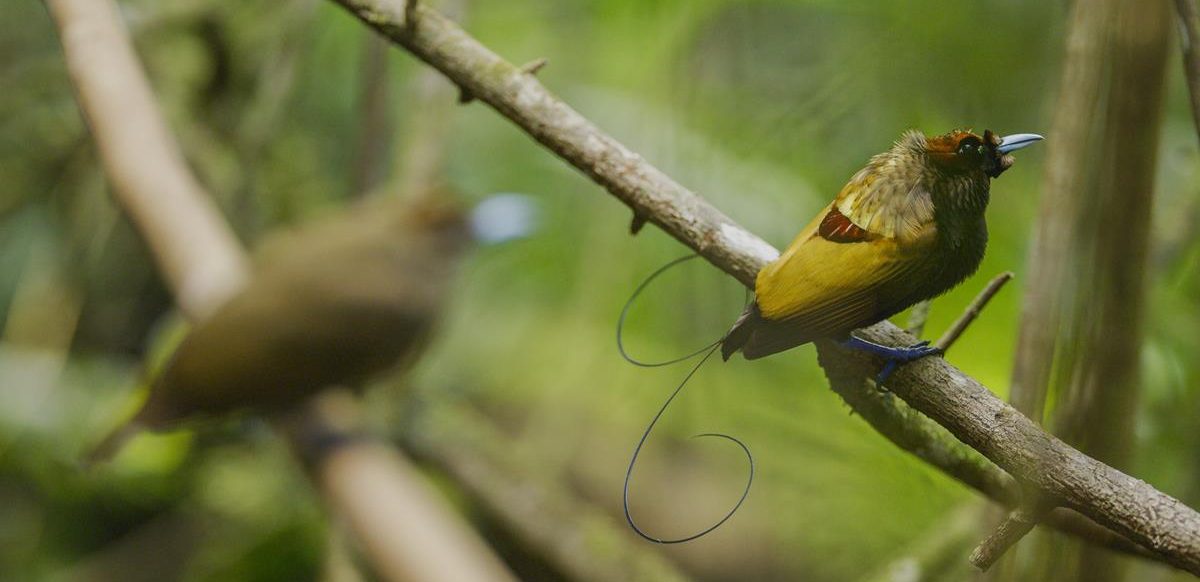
x,y
289,111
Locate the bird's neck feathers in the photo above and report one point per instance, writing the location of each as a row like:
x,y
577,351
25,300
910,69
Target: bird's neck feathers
x,y
912,143
962,191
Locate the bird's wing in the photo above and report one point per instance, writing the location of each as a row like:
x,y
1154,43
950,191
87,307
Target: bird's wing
x,y
897,207
842,273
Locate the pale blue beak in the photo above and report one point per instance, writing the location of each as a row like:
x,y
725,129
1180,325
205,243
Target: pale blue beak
x,y
1016,141
504,217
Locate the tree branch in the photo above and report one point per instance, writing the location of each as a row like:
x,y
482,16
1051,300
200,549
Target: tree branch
x,y
196,251
1014,527
1189,38
406,530
917,317
973,310
925,439
578,540
953,399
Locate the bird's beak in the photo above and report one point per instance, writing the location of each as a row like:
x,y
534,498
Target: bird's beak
x,y
1016,141
504,217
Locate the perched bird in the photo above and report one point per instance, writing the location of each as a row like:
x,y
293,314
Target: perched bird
x,y
334,303
907,227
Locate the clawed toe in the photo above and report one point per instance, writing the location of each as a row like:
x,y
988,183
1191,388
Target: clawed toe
x,y
921,350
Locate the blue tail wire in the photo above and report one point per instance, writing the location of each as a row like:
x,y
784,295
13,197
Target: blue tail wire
x,y
707,351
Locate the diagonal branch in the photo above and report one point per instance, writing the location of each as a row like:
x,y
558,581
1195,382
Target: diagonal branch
x,y
199,257
943,393
973,311
404,527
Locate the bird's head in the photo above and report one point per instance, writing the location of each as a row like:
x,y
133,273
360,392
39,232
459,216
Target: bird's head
x,y
962,152
496,219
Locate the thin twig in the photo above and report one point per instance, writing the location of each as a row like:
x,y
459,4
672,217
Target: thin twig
x,y
972,311
1014,527
532,67
918,316
956,401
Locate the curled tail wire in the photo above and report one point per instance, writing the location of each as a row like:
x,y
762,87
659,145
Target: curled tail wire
x,y
625,313
707,351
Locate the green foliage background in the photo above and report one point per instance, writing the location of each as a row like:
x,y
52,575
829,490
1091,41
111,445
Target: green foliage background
x,y
764,107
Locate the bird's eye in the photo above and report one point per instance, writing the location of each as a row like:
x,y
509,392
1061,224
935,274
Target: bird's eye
x,y
970,145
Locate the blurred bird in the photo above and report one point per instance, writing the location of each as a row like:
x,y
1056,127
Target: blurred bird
x,y
334,303
908,227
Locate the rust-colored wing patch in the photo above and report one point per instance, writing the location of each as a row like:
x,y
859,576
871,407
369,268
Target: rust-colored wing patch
x,y
837,227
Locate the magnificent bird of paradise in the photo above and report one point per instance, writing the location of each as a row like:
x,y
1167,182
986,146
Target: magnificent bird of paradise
x,y
907,227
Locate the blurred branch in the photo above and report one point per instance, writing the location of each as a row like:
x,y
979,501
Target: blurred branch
x,y
577,540
339,563
933,554
405,529
400,523
953,399
917,317
160,549
420,165
266,111
1189,38
1037,333
375,121
1083,313
198,254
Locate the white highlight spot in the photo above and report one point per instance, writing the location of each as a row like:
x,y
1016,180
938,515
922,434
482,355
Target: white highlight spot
x,y
504,217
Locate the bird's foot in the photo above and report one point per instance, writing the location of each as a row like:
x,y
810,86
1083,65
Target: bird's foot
x,y
893,356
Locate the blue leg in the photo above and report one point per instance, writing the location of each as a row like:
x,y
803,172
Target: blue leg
x,y
893,356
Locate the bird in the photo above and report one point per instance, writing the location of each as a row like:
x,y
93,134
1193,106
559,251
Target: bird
x,y
332,303
907,227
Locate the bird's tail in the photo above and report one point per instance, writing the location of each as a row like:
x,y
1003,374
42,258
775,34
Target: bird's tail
x,y
111,444
625,313
707,352
740,333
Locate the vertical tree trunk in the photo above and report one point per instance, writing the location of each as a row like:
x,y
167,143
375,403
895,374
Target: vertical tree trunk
x,y
1082,316
1101,372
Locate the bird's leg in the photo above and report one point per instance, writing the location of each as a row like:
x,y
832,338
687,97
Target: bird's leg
x,y
893,356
